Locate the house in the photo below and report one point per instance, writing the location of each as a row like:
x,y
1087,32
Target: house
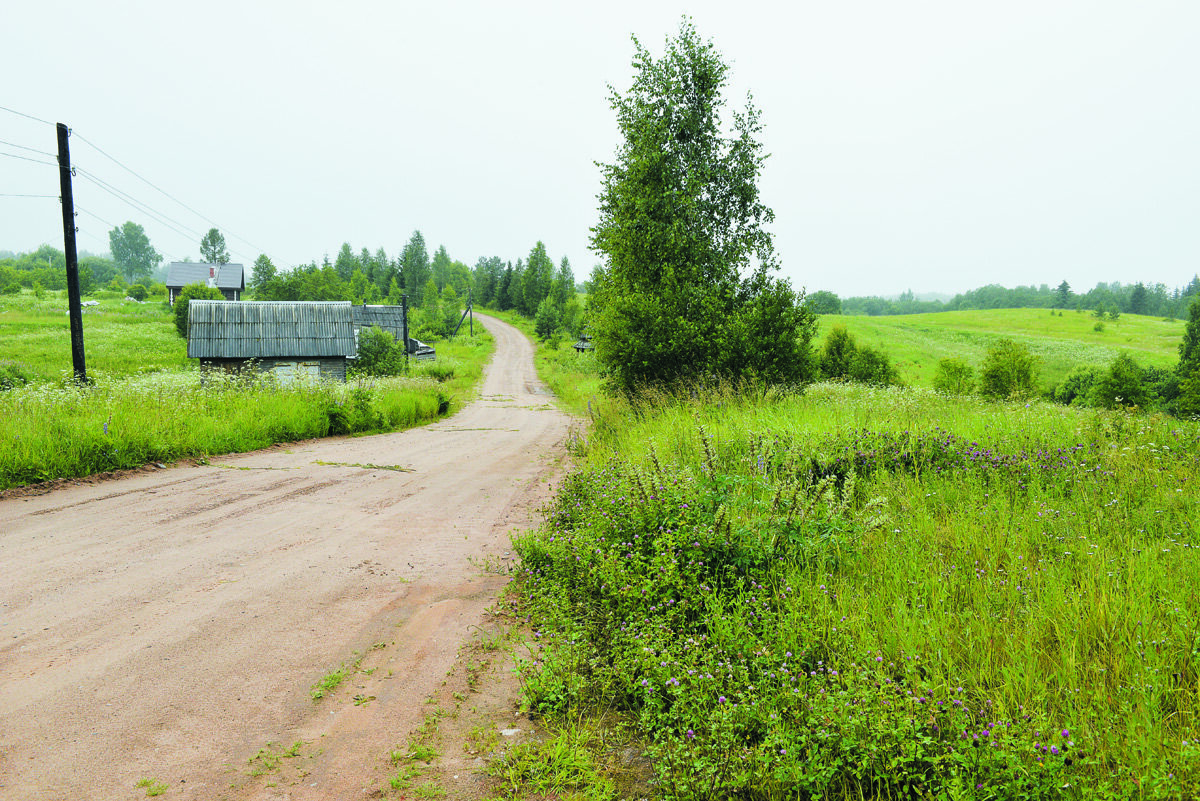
x,y
229,278
391,319
287,338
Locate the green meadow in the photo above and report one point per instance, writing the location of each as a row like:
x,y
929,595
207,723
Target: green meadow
x,y
120,337
876,593
917,342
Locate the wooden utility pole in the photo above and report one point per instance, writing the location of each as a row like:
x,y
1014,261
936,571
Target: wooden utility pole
x,y
404,310
74,307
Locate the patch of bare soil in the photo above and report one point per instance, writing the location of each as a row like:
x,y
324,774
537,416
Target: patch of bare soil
x,y
169,628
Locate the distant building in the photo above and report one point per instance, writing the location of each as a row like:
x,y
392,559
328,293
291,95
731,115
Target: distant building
x,y
229,278
287,338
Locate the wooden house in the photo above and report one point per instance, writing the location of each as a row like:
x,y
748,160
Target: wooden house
x,y
229,278
287,338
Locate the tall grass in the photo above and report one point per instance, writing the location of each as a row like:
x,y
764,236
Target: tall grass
x,y
58,430
872,593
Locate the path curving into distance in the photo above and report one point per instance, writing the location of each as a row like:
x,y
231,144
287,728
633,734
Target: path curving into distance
x,y
170,624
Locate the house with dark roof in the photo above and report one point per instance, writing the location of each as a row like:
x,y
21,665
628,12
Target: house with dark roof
x,y
287,338
229,278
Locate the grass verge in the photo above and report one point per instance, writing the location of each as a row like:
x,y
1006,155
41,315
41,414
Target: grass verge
x,y
872,593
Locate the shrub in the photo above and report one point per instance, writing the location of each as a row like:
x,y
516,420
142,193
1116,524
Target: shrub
x,y
187,294
844,359
378,353
1010,371
138,292
1120,386
954,377
1077,386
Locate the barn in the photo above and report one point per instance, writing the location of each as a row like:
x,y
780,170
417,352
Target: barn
x,y
286,338
229,278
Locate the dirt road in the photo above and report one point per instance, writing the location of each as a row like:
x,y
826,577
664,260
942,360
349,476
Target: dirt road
x,y
169,625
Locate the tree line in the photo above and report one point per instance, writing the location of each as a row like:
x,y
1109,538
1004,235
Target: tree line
x,y
1156,300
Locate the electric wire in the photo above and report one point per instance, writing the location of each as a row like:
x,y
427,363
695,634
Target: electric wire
x,y
31,149
27,158
26,116
95,147
10,194
136,204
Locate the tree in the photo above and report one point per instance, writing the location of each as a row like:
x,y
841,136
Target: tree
x,y
824,302
212,248
1139,299
1121,386
1062,296
440,267
1009,371
954,377
536,280
414,269
262,272
132,251
1187,403
189,293
680,224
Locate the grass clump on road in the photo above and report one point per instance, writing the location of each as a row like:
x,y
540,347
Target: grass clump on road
x,y
878,593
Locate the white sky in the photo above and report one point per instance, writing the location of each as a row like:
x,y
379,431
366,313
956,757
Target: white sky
x,y
936,146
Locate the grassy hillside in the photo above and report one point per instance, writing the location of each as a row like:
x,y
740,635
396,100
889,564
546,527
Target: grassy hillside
x,y
917,342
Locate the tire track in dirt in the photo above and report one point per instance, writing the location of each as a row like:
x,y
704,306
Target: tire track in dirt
x,y
169,624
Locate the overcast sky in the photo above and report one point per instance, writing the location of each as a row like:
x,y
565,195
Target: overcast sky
x,y
934,146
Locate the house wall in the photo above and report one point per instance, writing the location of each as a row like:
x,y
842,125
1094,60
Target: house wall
x,y
332,368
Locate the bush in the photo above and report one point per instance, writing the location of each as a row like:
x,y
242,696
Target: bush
x,y
1121,386
189,293
1076,388
954,377
138,292
1010,371
844,359
378,353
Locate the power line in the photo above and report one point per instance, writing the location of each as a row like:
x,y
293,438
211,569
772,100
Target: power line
x,y
31,149
145,208
26,158
26,116
81,138
7,194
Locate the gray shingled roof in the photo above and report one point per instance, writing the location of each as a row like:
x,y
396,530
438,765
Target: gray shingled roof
x,y
389,318
225,329
182,273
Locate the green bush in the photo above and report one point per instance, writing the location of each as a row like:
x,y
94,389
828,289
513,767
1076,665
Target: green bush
x,y
954,377
1076,388
843,359
378,354
15,374
189,293
1121,386
138,292
1010,371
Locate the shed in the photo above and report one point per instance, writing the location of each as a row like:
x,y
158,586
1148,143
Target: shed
x,y
229,278
391,319
287,338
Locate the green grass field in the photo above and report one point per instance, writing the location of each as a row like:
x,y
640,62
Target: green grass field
x,y
119,337
917,342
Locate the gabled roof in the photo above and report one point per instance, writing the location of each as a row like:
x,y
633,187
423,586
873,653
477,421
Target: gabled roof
x,y
389,318
182,273
224,329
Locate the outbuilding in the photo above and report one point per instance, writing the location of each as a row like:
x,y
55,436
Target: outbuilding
x,y
286,338
229,278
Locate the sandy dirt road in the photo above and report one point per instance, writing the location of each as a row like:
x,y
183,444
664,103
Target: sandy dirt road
x,y
169,625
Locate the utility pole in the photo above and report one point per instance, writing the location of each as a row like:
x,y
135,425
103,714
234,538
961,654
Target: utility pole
x,y
74,307
404,311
